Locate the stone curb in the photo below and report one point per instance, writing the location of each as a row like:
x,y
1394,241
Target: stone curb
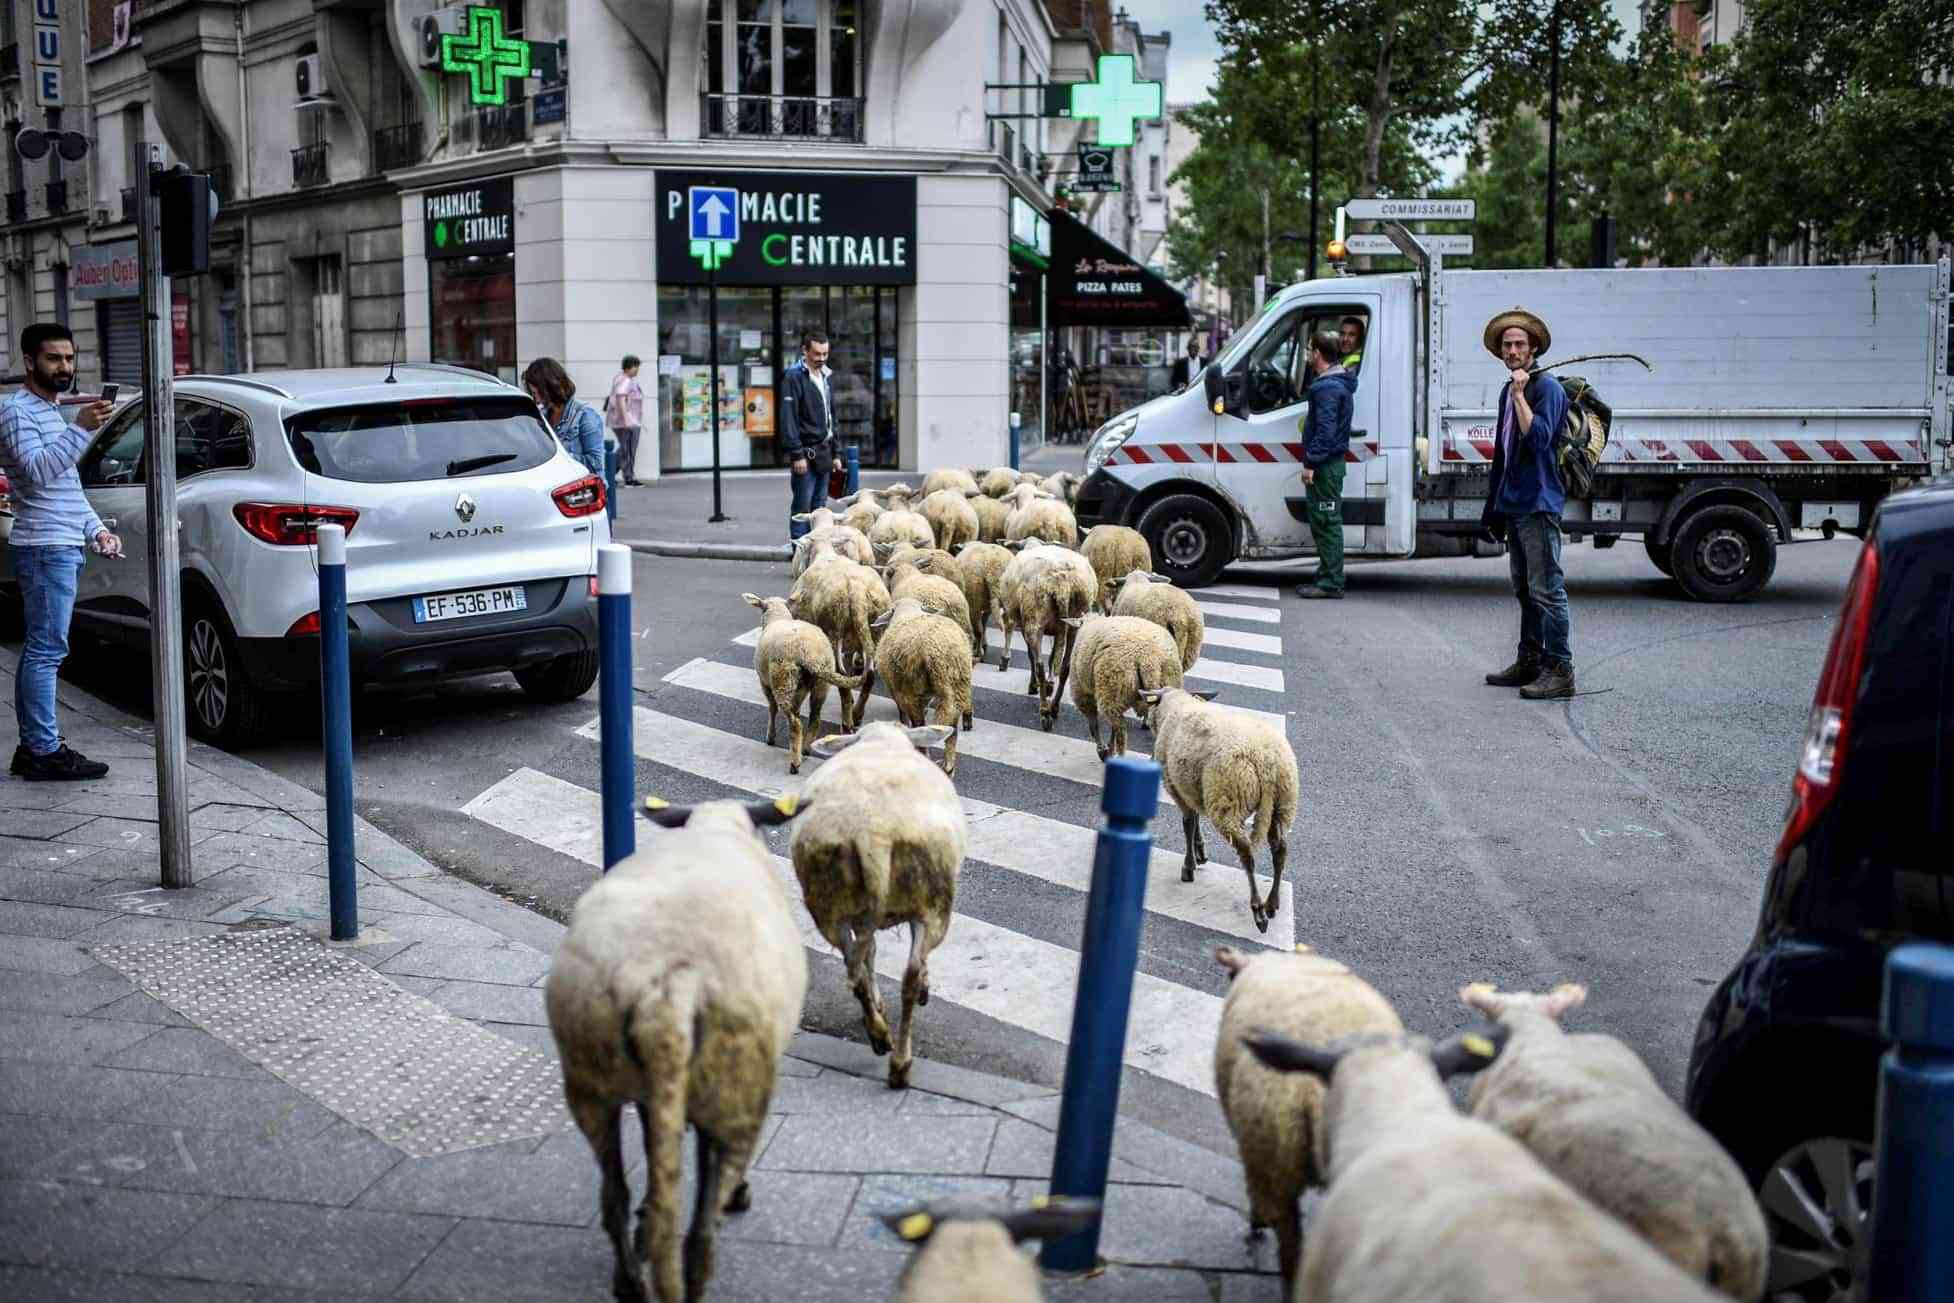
x,y
711,551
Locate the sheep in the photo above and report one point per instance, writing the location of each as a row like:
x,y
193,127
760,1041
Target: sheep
x,y
795,660
982,567
1035,514
826,528
923,663
1276,1116
969,1248
897,526
862,514
998,483
883,847
1115,551
1426,1204
676,988
1119,658
992,517
1043,585
951,517
1236,770
1588,1109
1063,485
931,577
1154,597
843,600
953,478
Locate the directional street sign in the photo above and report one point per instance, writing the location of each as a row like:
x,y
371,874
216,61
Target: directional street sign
x,y
1449,245
715,223
1411,210
1116,99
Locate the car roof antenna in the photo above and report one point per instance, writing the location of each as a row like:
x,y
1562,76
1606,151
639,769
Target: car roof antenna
x,y
396,349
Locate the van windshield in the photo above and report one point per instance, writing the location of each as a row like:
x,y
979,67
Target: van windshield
x,y
1231,352
421,439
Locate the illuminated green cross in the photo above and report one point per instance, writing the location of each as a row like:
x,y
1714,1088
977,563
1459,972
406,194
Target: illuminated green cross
x,y
1116,99
486,55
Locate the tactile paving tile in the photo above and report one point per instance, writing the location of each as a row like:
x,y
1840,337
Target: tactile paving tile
x,y
400,1066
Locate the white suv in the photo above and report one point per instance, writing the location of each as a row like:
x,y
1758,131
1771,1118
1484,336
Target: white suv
x,y
471,536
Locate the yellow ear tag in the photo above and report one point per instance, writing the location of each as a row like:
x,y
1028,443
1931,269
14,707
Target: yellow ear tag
x,y
1479,1045
1040,1202
1304,948
657,803
915,1226
788,803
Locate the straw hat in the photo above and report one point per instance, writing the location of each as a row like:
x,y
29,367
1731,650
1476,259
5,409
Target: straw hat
x,y
1518,316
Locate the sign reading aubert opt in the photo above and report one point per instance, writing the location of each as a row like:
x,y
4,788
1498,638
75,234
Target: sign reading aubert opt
x,y
785,228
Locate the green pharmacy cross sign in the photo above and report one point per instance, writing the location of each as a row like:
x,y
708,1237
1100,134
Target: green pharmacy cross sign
x,y
1116,99
488,57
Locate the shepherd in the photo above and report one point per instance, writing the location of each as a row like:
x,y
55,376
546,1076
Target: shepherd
x,y
1524,500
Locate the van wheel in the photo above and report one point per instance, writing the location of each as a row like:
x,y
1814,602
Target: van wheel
x,y
564,679
1661,555
1724,554
1190,539
221,706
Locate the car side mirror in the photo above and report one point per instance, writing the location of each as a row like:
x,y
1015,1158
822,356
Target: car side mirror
x,y
1224,392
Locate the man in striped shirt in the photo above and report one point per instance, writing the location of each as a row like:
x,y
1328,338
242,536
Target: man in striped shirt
x,y
53,528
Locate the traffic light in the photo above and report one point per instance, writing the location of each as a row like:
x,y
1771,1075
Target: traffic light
x,y
186,207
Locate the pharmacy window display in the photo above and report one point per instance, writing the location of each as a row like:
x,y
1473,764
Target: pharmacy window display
x,y
468,234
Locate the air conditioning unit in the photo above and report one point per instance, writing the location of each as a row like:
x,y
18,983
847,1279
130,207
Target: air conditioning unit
x,y
312,80
452,21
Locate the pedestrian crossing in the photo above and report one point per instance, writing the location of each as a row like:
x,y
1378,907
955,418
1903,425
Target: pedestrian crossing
x,y
1031,799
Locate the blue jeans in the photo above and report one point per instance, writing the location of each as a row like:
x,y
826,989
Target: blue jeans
x,y
810,491
48,578
1533,549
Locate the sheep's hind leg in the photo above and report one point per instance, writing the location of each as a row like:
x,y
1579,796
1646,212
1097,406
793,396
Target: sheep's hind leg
x,y
1278,856
1191,840
915,990
598,1120
1247,854
705,1216
858,954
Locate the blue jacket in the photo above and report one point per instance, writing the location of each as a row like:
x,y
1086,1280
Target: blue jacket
x,y
1532,482
1326,428
805,423
581,430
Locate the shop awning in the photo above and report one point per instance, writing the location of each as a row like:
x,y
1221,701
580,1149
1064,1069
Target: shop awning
x,y
1094,282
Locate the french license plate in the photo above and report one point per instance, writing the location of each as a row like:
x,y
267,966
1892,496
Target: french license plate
x,y
478,601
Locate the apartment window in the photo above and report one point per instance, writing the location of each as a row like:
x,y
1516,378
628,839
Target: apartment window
x,y
783,67
132,139
60,274
1153,174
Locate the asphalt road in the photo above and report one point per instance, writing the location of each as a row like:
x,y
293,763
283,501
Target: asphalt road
x,y
1449,833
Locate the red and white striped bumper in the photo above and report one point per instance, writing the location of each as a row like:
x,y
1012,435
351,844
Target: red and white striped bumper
x,y
1199,454
1734,451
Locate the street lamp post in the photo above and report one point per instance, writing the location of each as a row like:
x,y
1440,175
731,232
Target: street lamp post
x,y
1553,126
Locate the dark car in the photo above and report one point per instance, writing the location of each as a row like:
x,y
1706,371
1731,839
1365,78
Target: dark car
x,y
1786,1061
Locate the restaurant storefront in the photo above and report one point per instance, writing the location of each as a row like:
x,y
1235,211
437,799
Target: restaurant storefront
x,y
1111,324
469,237
807,250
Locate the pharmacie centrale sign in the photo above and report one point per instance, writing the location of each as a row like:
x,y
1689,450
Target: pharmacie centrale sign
x,y
794,228
468,220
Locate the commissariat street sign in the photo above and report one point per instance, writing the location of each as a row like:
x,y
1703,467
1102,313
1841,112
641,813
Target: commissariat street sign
x,y
1411,210
1449,245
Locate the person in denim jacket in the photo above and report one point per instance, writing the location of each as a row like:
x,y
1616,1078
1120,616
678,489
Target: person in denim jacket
x,y
579,426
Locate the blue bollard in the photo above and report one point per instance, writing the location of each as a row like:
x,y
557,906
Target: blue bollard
x,y
336,723
1913,1190
614,699
853,460
1015,440
1108,957
610,479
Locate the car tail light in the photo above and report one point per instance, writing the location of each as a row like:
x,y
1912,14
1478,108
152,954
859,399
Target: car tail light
x,y
584,497
307,624
290,524
1822,753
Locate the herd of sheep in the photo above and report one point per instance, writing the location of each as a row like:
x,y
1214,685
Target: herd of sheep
x,y
681,978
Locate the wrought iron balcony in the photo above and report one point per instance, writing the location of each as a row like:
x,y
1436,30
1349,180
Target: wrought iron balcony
x,y
309,165
16,205
57,196
396,146
795,117
500,125
129,206
220,180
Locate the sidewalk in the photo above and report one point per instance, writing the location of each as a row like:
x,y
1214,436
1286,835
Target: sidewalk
x,y
201,1099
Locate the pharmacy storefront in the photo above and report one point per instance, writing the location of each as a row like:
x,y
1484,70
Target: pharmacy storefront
x,y
769,256
468,232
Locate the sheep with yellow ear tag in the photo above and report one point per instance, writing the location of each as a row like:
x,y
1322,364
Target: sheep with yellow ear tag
x,y
967,1250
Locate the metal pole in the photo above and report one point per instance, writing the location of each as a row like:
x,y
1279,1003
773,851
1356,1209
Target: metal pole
x,y
159,500
853,459
712,360
336,706
619,772
1913,1188
1044,367
1108,956
1016,438
1315,138
1553,128
610,479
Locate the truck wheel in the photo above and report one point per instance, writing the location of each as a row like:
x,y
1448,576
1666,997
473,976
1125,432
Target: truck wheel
x,y
1661,556
1724,554
1189,537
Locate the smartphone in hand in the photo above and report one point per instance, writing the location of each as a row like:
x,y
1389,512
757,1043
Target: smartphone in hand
x,y
109,392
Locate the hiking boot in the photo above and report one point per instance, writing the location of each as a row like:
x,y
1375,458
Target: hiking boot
x,y
64,764
1311,590
1556,680
1521,672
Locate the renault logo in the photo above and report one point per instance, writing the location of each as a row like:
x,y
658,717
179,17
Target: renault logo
x,y
465,508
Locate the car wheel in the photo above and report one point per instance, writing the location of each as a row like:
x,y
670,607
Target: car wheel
x,y
1661,556
221,705
564,679
1189,537
1817,1197
1724,554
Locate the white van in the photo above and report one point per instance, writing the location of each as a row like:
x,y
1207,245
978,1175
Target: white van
x,y
1781,398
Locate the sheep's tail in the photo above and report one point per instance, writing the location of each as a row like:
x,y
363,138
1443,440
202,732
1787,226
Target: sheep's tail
x,y
833,675
658,1035
1265,810
1071,637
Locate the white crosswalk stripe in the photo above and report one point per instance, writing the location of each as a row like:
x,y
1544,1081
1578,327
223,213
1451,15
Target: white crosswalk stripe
x,y
1021,980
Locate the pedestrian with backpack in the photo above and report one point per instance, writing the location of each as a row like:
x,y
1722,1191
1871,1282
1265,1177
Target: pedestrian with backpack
x,y
1524,499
